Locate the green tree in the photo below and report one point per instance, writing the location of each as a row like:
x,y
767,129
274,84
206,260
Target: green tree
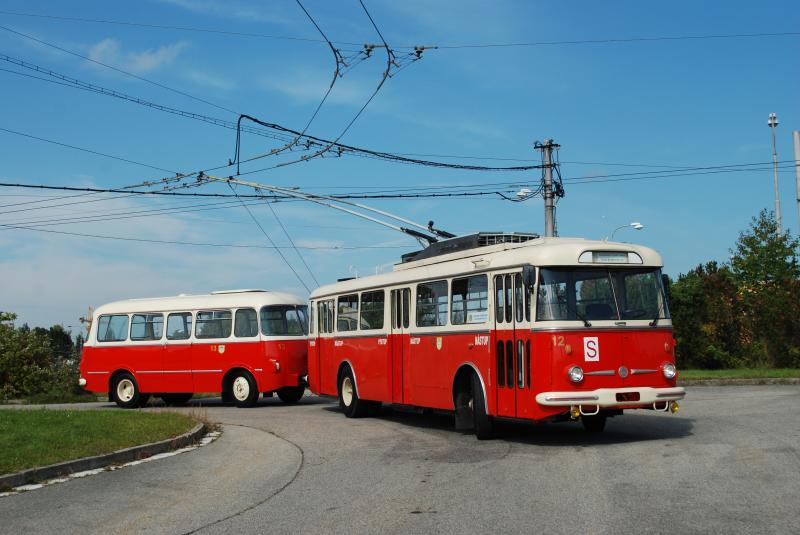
x,y
766,268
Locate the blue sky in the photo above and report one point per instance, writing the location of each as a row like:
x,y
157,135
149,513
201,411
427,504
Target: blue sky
x,y
679,103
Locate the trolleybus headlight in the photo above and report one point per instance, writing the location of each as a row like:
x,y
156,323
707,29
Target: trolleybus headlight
x,y
81,382
575,374
668,370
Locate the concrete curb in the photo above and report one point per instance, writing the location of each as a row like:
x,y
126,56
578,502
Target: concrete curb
x,y
100,461
741,382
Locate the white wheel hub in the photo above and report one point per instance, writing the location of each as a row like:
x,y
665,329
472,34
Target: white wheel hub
x,y
125,390
347,391
241,388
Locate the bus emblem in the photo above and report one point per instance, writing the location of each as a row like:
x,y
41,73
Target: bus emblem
x,y
439,342
591,349
221,349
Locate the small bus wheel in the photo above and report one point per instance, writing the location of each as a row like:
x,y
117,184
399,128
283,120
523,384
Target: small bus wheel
x,y
484,426
243,389
291,394
175,400
351,405
125,392
594,424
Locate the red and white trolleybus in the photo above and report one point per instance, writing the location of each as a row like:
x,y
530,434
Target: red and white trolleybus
x,y
501,325
239,343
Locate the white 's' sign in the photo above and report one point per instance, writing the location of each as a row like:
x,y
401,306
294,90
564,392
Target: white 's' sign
x,y
591,349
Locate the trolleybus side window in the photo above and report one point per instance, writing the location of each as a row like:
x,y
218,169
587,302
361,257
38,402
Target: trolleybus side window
x,y
509,297
112,328
147,326
213,324
470,300
179,326
284,320
325,315
406,306
499,305
518,297
245,323
347,313
372,310
432,304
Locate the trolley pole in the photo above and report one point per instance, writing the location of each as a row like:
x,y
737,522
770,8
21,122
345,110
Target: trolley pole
x,y
773,124
549,199
796,136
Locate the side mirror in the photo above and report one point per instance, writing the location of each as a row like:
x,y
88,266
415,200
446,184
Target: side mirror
x,y
529,276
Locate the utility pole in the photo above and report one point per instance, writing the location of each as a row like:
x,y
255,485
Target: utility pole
x,y
796,136
773,124
549,196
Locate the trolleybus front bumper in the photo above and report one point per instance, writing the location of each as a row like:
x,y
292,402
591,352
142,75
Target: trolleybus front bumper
x,y
611,397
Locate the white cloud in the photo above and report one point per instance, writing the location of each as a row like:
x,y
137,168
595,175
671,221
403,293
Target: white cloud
x,y
233,9
309,86
214,82
110,51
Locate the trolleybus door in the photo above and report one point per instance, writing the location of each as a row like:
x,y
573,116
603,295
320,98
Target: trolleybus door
x,y
504,344
512,344
399,340
313,347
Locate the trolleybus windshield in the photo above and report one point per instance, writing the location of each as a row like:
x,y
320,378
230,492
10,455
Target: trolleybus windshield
x,y
592,294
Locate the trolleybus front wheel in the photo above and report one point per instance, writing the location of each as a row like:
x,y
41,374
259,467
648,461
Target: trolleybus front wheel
x,y
125,392
291,394
351,405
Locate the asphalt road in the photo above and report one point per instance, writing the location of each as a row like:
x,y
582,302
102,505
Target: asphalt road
x,y
728,462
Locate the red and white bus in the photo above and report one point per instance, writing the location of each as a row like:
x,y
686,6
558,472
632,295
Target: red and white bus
x,y
501,325
239,343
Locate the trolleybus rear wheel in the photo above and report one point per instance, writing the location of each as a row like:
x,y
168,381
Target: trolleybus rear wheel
x,y
291,394
594,424
243,389
484,424
125,392
351,405
175,399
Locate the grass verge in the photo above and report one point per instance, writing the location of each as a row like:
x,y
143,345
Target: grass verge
x,y
740,373
30,438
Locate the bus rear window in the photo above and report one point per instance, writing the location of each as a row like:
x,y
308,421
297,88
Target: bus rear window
x,y
284,320
112,328
213,324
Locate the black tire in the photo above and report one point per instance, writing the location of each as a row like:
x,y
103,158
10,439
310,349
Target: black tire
x,y
291,394
226,396
594,424
124,392
484,424
175,400
349,402
243,389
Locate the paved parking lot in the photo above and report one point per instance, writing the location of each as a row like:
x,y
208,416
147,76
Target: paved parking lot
x,y
727,462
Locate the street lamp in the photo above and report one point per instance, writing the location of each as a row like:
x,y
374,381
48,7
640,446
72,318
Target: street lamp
x,y
772,122
635,225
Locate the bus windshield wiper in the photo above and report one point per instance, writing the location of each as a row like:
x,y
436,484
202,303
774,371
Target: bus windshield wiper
x,y
583,319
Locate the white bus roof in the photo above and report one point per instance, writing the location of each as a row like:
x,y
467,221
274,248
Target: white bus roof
x,y
541,252
220,299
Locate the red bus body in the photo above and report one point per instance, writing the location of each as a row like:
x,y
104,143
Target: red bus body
x,y
189,363
521,360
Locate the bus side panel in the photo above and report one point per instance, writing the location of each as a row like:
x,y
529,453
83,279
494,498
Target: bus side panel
x,y
209,364
430,369
371,360
147,362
